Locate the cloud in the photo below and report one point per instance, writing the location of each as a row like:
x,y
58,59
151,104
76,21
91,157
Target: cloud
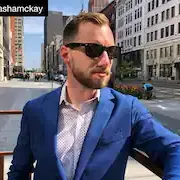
x,y
34,25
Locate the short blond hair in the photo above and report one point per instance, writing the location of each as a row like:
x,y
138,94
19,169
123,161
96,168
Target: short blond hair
x,y
71,29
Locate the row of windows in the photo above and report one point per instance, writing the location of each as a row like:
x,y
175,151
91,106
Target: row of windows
x,y
121,11
135,41
152,36
152,20
129,30
169,13
121,23
167,31
154,4
128,5
164,52
120,34
164,32
129,18
137,27
138,13
151,54
138,2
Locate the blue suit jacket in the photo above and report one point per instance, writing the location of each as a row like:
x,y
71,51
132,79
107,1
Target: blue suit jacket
x,y
119,124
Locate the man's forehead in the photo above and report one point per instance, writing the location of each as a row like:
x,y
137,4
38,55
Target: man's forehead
x,y
89,32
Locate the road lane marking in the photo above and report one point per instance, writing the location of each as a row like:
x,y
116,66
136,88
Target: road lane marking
x,y
162,107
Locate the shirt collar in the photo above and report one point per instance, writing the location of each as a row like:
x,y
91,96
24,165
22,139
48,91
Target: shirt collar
x,y
63,96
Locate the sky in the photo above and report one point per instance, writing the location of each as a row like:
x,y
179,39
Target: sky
x,y
34,29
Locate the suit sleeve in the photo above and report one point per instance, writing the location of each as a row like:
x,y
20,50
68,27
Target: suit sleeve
x,y
158,142
22,163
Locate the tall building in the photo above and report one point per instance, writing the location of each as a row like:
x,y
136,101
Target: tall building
x,y
149,33
6,46
12,43
19,43
97,5
162,39
53,25
1,50
129,31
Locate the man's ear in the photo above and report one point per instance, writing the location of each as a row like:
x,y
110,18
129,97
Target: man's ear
x,y
64,53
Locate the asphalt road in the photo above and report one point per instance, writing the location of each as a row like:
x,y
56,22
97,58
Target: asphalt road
x,y
14,94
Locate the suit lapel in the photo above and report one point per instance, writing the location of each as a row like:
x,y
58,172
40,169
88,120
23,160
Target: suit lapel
x,y
98,123
51,115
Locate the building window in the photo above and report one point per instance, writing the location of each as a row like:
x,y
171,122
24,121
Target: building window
x,y
179,27
152,20
162,15
173,11
155,36
156,20
172,29
148,22
171,51
152,4
151,54
178,49
134,41
149,6
161,52
162,32
166,51
147,37
147,54
179,8
151,36
163,1
167,14
139,40
155,53
167,31
157,3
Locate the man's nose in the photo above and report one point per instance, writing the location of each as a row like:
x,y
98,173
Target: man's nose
x,y
104,59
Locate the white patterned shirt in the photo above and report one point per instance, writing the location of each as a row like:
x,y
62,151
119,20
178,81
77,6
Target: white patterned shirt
x,y
72,128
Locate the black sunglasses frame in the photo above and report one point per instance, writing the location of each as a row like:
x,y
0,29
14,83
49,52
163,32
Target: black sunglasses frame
x,y
91,52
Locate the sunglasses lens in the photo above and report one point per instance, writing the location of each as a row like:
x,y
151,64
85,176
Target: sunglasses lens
x,y
112,51
94,50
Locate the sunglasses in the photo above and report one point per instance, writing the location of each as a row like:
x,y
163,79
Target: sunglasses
x,y
93,50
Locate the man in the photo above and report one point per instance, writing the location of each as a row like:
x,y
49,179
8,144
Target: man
x,y
85,131
148,88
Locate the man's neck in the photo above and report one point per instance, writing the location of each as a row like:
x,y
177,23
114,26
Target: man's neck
x,y
78,94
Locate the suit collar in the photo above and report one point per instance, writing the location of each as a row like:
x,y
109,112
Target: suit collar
x,y
63,96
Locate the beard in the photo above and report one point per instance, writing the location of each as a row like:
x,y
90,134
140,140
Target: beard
x,y
86,77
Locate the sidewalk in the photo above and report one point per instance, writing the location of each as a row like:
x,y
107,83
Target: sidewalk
x,y
18,83
157,83
134,170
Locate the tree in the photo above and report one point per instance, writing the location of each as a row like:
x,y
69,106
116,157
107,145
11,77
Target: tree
x,y
125,69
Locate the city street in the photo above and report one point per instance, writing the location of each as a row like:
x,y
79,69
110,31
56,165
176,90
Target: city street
x,y
166,107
